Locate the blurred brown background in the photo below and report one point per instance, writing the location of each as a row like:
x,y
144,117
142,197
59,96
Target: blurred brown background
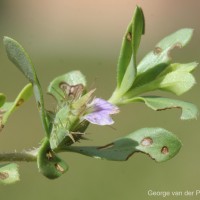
x,y
64,35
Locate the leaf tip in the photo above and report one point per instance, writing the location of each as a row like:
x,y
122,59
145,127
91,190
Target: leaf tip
x,y
139,11
6,40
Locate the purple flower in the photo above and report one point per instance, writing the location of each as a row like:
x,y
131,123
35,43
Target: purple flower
x,y
100,111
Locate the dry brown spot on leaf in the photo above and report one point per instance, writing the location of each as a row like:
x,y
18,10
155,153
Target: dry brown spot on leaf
x,y
147,141
4,175
157,50
129,36
20,102
59,168
165,150
177,45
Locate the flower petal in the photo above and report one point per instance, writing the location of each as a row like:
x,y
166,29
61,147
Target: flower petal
x,y
99,104
100,111
100,118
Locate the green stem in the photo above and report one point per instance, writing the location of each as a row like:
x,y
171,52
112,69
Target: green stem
x,y
116,98
26,156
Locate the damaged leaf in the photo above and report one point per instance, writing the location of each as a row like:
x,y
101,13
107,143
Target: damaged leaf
x,y
49,164
9,107
160,144
9,173
161,53
72,83
127,58
189,110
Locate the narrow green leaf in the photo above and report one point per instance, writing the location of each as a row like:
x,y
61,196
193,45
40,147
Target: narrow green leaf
x,y
148,76
138,29
2,99
161,53
125,55
9,173
160,144
130,44
72,78
128,78
9,107
17,54
189,110
49,164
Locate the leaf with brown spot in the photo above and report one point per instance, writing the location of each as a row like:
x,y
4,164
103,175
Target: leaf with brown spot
x,y
9,173
149,141
9,107
61,87
161,52
126,71
189,110
49,164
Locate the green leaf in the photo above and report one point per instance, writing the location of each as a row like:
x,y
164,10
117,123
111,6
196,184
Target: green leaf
x,y
2,99
161,53
189,110
49,164
9,107
176,78
138,29
177,82
148,76
160,144
126,70
40,105
130,44
9,173
62,124
72,78
162,69
58,137
17,54
184,67
67,127
128,78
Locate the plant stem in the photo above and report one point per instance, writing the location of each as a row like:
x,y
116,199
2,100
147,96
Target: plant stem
x,y
26,156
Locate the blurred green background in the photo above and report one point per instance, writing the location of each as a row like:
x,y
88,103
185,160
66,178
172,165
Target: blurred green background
x,y
64,35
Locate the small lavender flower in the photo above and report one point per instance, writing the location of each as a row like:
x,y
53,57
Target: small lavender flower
x,y
100,111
